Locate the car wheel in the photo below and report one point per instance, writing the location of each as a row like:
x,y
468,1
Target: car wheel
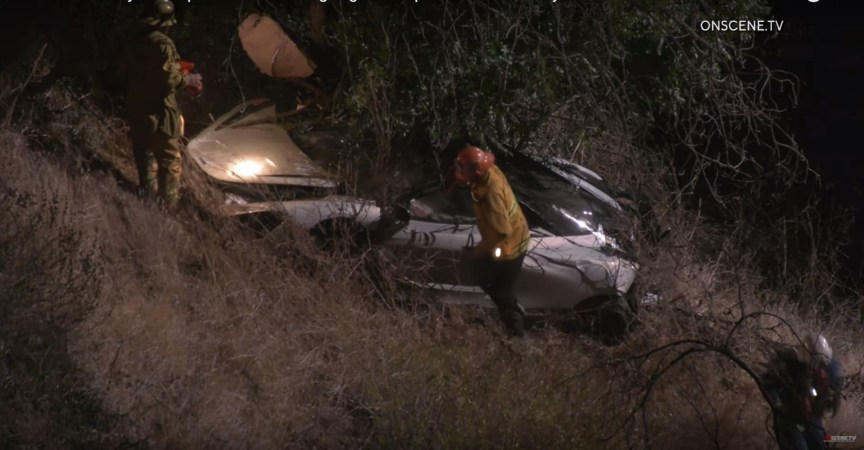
x,y
632,302
340,234
347,236
260,224
615,320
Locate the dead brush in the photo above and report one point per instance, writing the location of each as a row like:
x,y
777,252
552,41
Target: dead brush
x,y
52,276
171,308
700,388
469,390
198,326
196,334
719,322
256,340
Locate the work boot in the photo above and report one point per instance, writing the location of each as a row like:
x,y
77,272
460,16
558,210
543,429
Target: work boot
x,y
515,323
169,204
147,192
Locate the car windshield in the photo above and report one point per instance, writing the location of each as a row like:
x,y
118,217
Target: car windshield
x,y
549,202
568,208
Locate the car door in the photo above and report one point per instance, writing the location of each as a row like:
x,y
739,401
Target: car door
x,y
431,245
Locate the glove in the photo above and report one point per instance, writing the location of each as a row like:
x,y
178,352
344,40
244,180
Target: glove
x,y
186,67
194,85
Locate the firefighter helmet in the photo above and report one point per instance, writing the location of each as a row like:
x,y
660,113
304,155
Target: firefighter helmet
x,y
816,352
471,164
160,13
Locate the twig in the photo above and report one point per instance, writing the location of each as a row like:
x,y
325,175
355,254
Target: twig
x,y
20,89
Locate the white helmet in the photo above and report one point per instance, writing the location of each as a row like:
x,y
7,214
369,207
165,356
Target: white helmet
x,y
815,351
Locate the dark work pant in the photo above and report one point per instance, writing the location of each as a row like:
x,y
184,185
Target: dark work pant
x,y
790,437
498,280
157,152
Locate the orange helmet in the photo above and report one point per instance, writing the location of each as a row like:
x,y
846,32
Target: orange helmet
x,y
471,164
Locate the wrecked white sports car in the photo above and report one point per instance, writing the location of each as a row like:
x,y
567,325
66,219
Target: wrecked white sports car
x,y
572,261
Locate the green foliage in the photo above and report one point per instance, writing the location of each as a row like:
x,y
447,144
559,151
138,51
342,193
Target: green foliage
x,y
470,65
633,88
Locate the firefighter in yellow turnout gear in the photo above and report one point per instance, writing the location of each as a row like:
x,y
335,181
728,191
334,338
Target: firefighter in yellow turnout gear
x,y
152,68
503,230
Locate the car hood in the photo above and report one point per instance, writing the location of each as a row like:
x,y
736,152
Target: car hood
x,y
272,50
246,145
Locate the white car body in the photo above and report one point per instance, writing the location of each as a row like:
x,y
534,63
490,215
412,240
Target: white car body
x,y
559,272
562,270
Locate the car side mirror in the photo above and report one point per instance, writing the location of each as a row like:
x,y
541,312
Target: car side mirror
x,y
400,213
393,219
419,209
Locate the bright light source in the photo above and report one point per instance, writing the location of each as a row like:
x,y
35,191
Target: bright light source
x,y
246,169
497,252
813,391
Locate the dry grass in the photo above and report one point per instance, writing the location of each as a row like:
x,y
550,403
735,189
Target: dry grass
x,y
145,328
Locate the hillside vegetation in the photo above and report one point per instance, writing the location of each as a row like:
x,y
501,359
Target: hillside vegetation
x,y
125,326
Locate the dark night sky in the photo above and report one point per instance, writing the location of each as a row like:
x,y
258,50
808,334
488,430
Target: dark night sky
x,y
825,48
823,44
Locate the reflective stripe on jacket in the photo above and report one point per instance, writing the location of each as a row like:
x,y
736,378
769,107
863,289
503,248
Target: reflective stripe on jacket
x,y
499,217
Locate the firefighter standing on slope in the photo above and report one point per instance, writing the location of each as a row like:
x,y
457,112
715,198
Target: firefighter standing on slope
x,y
152,68
503,230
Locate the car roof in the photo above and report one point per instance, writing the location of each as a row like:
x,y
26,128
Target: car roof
x,y
527,171
522,170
